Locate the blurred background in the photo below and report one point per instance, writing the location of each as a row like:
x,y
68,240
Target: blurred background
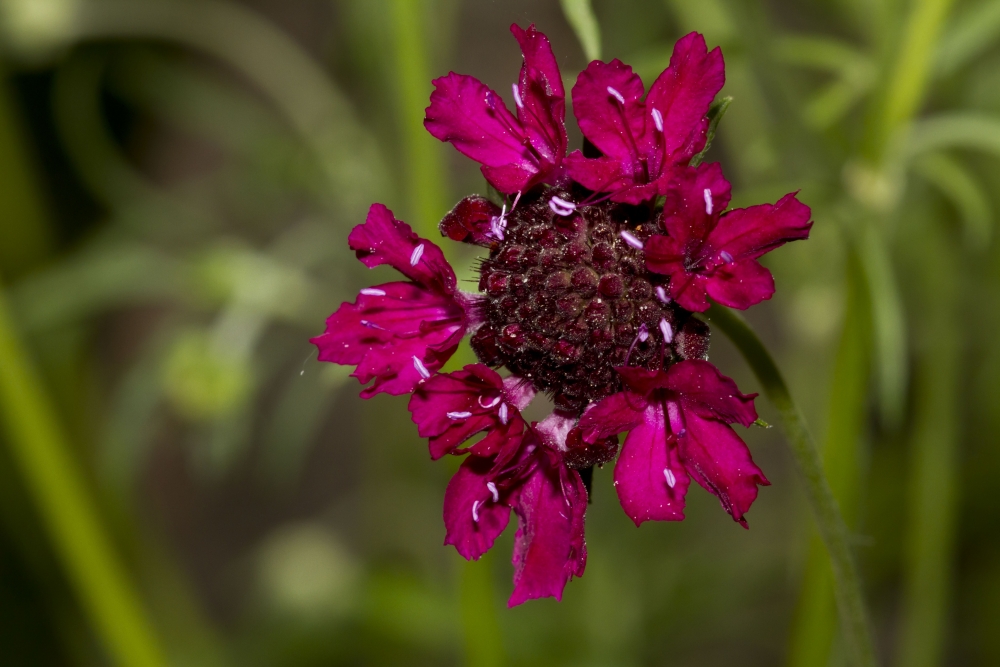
x,y
182,483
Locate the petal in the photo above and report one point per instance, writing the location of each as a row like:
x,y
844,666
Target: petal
x,y
751,232
687,215
473,531
470,221
382,333
543,101
612,415
549,544
683,93
649,478
741,284
552,430
602,117
720,461
383,239
642,380
711,394
475,120
603,174
666,256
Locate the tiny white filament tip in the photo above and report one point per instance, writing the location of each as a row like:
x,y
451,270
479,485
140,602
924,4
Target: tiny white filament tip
x,y
419,365
517,96
417,253
669,474
661,294
708,201
561,206
475,510
668,333
503,414
371,291
630,239
615,94
643,333
658,119
490,404
459,415
726,257
493,489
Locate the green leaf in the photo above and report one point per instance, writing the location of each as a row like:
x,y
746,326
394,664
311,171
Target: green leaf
x,y
715,114
969,36
580,15
959,185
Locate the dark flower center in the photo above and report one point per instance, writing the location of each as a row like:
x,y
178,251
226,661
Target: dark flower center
x,y
568,298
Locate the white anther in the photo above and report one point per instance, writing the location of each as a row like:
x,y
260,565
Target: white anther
x,y
668,333
503,414
561,206
459,415
726,257
661,294
615,94
493,489
658,119
475,510
529,449
417,253
630,239
419,365
669,474
493,402
517,96
708,201
371,291
643,333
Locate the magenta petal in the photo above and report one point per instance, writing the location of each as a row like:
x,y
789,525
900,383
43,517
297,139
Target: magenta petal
x,y
542,108
518,392
711,394
470,221
649,479
687,215
549,545
475,120
603,174
741,284
614,414
385,329
720,461
472,518
612,125
751,232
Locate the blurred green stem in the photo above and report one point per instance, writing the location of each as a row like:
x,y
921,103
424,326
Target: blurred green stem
x,y
833,530
425,182
815,621
483,642
71,516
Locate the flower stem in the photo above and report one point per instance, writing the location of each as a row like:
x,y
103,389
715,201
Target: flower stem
x,y
483,641
850,599
68,510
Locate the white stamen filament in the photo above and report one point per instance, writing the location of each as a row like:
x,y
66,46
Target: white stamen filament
x,y
493,489
668,333
661,294
561,206
658,119
494,401
417,253
726,257
630,239
371,291
475,510
371,325
669,474
459,415
503,414
517,96
419,365
708,201
615,94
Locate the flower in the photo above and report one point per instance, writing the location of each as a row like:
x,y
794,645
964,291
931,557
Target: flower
x,y
709,252
397,333
678,423
644,141
586,294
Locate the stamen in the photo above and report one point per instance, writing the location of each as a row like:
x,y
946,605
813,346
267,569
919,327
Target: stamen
x,y
517,96
475,510
499,225
708,201
493,489
496,399
674,416
419,365
643,333
630,239
371,325
615,94
459,415
661,294
417,253
371,291
503,414
658,119
669,474
529,449
668,333
726,257
517,198
561,206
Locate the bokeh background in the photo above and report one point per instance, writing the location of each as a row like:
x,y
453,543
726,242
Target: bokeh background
x,y
182,483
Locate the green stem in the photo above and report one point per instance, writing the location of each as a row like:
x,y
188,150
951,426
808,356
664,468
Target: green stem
x,y
483,641
833,530
68,510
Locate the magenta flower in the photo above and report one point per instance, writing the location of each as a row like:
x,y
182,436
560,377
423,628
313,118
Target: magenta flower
x,y
709,251
397,333
586,294
644,141
678,423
